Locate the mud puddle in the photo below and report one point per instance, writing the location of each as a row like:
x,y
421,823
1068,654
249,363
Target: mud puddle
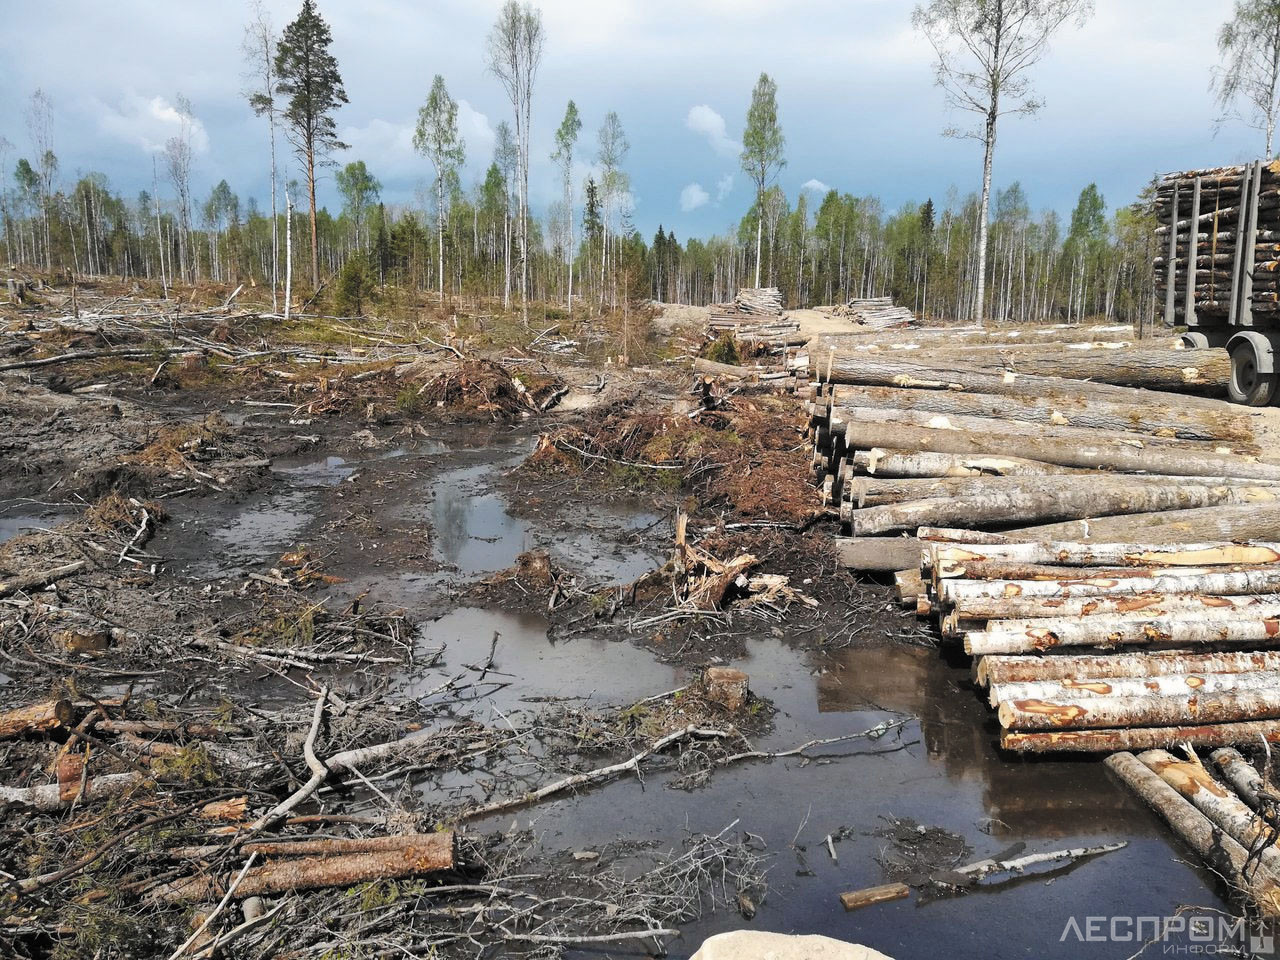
x,y
943,769
19,520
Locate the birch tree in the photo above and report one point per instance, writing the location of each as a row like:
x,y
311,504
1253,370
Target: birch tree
x,y
437,137
177,158
307,74
40,128
514,55
259,47
1247,82
762,144
613,182
505,156
566,139
985,50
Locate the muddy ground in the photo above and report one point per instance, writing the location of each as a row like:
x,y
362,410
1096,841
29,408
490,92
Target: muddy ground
x,y
485,549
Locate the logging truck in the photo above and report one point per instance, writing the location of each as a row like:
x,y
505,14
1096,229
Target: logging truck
x,y
1219,268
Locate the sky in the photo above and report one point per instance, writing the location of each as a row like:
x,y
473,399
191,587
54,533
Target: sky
x,y
1125,97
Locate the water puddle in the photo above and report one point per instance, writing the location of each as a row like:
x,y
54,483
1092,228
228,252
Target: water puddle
x,y
13,524
475,532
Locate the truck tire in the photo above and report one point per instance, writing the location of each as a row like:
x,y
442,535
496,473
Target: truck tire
x,y
1248,385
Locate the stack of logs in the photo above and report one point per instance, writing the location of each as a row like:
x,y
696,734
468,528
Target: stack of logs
x,y
876,313
755,318
899,445
1217,211
1093,647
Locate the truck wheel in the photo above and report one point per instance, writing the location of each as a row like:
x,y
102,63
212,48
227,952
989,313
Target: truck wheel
x,y
1247,384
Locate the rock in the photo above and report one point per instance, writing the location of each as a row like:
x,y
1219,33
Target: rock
x,y
253,908
727,687
759,945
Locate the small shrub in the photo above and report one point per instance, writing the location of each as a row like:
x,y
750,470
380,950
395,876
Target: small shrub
x,y
724,350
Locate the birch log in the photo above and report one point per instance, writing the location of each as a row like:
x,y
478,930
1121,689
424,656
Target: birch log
x,y
1239,583
1031,501
1130,457
1217,802
879,462
1222,853
1097,713
1168,685
1099,632
1197,525
1241,774
1150,604
1149,664
1076,553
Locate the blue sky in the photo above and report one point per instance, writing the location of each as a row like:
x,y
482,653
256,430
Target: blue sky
x,y
1126,96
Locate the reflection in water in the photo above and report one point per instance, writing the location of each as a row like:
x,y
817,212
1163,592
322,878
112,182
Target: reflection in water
x,y
1045,796
583,667
14,524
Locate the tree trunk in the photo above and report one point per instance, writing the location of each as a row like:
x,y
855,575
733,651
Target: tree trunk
x,y
1105,554
998,670
1032,499
1168,685
1128,457
311,198
1222,853
1150,604
923,464
1100,713
1241,774
1235,425
1261,627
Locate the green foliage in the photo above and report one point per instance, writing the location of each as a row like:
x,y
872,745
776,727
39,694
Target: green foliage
x,y
724,350
355,285
309,79
762,140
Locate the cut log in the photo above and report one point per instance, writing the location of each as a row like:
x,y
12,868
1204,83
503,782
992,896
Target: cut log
x,y
1241,774
877,554
880,462
1123,457
1261,522
1239,583
1216,802
1153,369
49,797
1007,426
1193,630
1150,604
34,581
413,856
874,371
1156,663
1099,713
35,718
1167,685
1139,738
1076,553
1036,499
1222,853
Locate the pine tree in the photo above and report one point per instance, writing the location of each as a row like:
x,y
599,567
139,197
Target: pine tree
x,y
309,79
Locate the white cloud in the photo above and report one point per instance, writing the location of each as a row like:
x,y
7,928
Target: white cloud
x,y
724,186
692,197
148,123
474,128
387,148
814,184
703,120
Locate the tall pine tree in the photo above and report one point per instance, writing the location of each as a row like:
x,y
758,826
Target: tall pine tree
x,y
309,79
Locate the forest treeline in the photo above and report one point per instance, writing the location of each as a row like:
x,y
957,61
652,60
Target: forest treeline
x,y
952,256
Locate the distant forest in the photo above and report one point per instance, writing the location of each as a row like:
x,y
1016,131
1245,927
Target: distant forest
x,y
950,257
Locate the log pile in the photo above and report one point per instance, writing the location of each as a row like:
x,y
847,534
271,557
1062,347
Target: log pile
x,y
898,445
755,318
876,313
1095,647
1215,208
